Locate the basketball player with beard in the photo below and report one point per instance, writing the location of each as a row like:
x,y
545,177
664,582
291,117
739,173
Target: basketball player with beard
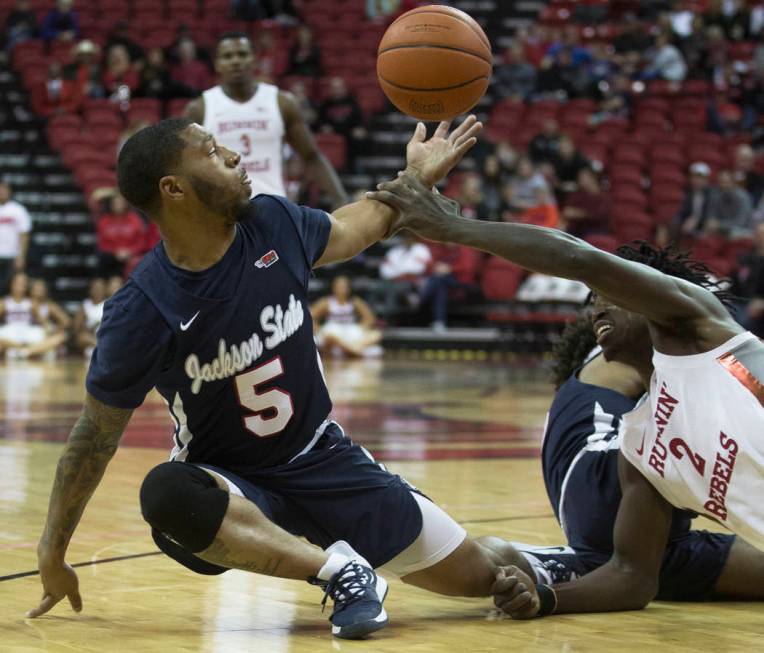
x,y
255,119
693,442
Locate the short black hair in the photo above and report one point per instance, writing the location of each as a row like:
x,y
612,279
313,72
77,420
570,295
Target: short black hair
x,y
233,35
678,263
146,157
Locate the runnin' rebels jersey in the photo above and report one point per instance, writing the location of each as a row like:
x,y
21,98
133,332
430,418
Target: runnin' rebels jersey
x,y
230,348
254,129
698,437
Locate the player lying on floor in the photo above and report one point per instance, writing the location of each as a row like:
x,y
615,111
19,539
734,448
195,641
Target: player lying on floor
x,y
216,318
579,462
693,442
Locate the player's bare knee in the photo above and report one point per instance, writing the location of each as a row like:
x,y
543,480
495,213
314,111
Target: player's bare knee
x,y
185,503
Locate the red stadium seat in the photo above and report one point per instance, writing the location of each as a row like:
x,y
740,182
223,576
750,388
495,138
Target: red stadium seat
x,y
667,154
334,148
628,154
625,175
629,195
500,279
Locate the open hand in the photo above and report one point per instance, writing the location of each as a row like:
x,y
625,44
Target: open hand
x,y
58,581
420,209
431,160
515,593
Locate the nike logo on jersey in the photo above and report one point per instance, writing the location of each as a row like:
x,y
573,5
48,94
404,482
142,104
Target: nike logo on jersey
x,y
184,325
641,449
267,260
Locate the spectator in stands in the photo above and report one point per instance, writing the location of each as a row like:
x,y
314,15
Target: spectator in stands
x,y
85,69
568,162
559,76
267,56
515,77
305,56
121,237
570,42
308,110
748,284
119,72
453,267
493,182
381,8
340,113
56,95
695,214
88,317
543,146
61,23
122,36
156,81
665,61
20,337
729,16
752,98
631,44
528,187
402,272
616,99
745,172
731,209
50,316
471,196
190,72
113,284
347,323
15,225
20,24
587,211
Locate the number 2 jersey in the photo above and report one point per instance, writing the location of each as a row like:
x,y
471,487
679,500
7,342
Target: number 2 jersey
x,y
230,348
698,436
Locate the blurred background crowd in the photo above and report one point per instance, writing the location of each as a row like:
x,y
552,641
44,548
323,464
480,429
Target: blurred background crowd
x,y
613,121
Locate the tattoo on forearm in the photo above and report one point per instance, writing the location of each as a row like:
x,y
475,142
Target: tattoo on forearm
x,y
91,445
219,554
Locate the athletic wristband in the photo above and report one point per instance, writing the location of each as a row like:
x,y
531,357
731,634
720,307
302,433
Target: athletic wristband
x,y
547,600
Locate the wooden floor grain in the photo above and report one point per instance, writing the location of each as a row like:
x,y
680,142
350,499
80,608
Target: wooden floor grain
x,y
467,434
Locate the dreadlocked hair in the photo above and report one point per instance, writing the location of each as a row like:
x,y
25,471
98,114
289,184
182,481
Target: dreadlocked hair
x,y
571,348
677,263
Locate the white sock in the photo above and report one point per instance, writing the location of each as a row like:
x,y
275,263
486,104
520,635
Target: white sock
x,y
335,562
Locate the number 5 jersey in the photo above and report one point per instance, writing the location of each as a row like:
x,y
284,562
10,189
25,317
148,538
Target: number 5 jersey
x,y
698,436
229,348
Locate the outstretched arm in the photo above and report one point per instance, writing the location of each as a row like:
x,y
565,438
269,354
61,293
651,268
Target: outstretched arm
x,y
636,287
629,580
91,445
361,224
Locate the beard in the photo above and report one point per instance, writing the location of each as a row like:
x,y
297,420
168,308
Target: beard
x,y
220,199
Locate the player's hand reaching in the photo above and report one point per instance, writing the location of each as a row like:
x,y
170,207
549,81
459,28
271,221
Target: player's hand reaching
x,y
431,160
59,580
515,593
420,209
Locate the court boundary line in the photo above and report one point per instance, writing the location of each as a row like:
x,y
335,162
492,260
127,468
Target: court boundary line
x,y
35,572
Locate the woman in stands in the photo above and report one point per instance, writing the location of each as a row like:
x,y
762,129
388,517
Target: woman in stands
x,y
347,322
87,319
50,316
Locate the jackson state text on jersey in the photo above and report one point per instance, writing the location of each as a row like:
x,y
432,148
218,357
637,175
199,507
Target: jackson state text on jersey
x,y
230,349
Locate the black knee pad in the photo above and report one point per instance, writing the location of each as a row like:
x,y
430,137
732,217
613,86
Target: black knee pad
x,y
183,502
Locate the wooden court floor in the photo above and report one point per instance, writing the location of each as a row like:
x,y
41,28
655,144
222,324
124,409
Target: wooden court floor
x,y
466,433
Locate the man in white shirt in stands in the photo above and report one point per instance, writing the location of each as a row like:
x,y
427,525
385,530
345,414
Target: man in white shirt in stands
x,y
15,225
403,266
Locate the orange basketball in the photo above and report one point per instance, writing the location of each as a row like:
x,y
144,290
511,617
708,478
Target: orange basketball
x,y
434,62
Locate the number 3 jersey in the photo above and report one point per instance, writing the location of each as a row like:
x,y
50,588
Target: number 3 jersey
x,y
698,436
230,348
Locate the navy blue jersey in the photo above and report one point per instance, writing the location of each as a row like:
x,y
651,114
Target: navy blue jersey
x,y
230,348
582,417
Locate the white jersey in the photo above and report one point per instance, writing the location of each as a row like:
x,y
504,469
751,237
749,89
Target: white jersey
x,y
93,314
254,129
340,313
698,436
14,221
18,312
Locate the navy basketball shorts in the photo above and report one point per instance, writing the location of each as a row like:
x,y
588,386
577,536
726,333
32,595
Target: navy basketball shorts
x,y
336,491
588,502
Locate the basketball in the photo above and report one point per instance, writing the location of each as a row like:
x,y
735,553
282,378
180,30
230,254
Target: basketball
x,y
434,63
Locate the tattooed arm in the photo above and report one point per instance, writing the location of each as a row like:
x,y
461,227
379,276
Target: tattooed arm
x,y
91,444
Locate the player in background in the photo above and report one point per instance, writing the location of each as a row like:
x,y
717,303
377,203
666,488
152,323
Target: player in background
x,y
216,318
579,462
254,119
692,442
